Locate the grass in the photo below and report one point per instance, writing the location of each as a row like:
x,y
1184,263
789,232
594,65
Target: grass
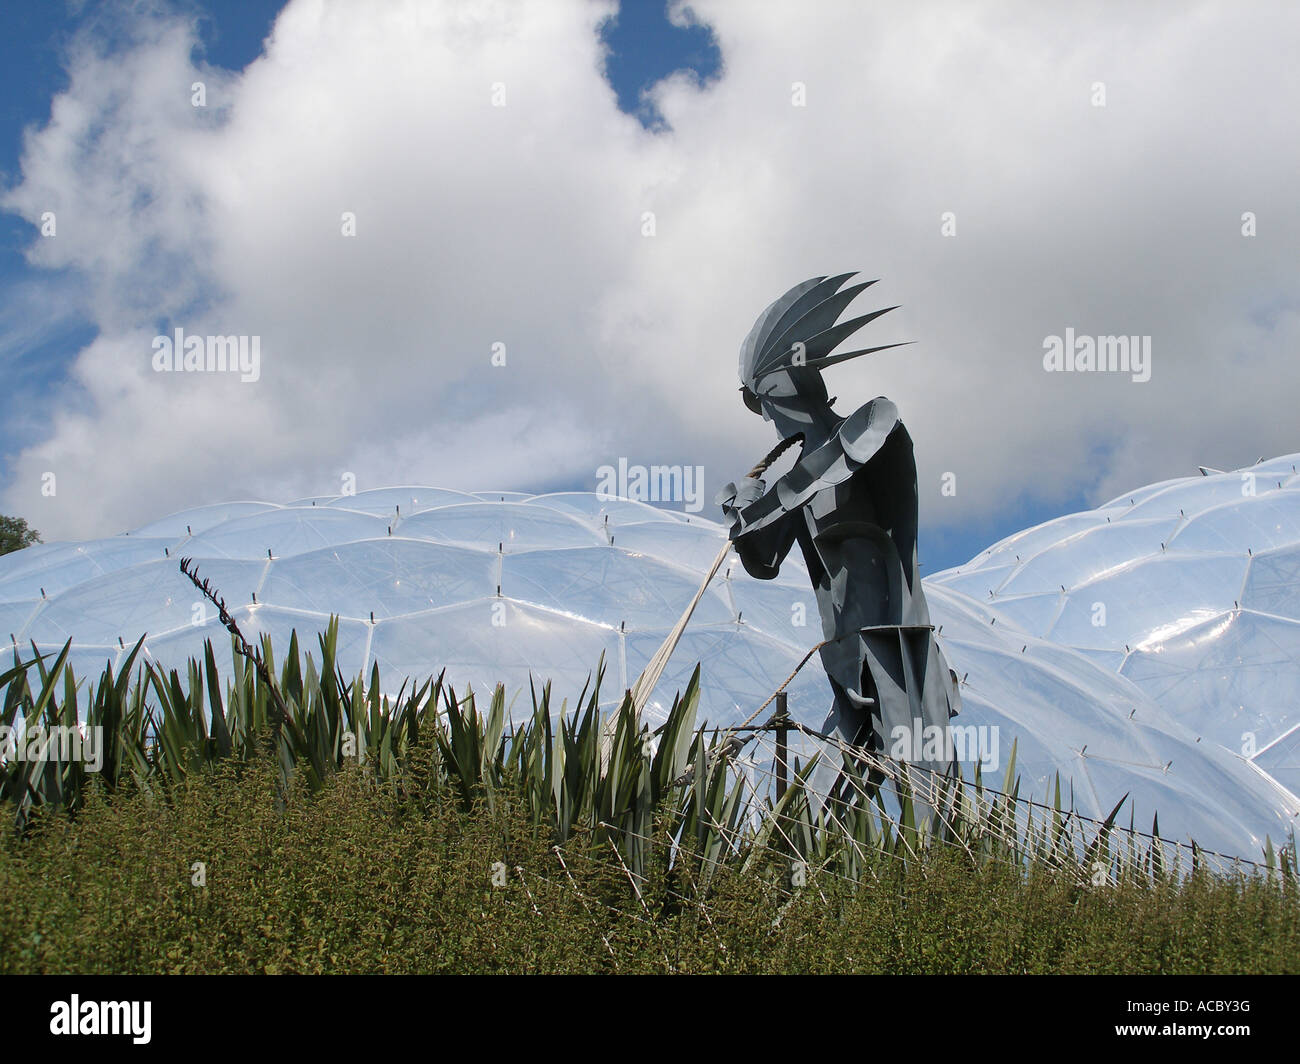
x,y
356,877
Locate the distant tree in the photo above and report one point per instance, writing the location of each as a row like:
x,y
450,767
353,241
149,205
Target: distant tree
x,y
15,535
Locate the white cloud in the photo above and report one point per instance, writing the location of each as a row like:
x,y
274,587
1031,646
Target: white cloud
x,y
522,224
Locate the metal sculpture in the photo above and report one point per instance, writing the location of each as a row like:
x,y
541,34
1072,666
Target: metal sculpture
x,y
850,502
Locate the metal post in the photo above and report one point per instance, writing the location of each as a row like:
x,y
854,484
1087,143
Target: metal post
x,y
781,732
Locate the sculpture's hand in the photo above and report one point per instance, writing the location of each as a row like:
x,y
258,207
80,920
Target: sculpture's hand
x,y
735,497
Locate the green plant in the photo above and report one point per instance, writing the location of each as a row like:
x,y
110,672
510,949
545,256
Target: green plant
x,y
16,535
601,778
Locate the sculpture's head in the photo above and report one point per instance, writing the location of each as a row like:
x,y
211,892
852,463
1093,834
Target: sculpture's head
x,y
792,340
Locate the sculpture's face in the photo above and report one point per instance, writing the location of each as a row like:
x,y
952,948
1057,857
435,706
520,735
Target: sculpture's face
x,y
788,397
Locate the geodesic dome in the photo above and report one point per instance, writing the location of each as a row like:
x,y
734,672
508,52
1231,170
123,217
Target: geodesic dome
x,y
1189,588
505,586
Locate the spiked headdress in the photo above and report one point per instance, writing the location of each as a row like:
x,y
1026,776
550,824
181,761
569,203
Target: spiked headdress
x,y
799,331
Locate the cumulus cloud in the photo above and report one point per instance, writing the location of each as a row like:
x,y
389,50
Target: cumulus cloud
x,y
523,225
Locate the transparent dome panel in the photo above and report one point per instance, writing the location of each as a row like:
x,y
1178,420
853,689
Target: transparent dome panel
x,y
284,533
1227,679
87,662
595,508
1126,501
980,583
1281,759
29,558
607,585
787,612
956,616
515,526
498,642
14,617
690,546
54,572
1273,583
1282,467
389,577
200,519
312,500
502,496
1150,600
742,668
1088,555
388,502
1024,545
174,650
1196,494
153,598
1052,702
1034,613
1256,524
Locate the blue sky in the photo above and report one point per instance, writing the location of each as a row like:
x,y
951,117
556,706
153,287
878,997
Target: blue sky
x,y
644,47
751,196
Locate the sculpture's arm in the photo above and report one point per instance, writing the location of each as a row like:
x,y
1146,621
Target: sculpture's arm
x,y
862,435
761,550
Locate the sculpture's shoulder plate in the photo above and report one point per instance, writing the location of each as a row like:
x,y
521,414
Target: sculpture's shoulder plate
x,y
865,430
858,438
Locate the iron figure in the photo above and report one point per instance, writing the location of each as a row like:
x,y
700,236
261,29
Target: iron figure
x,y
850,502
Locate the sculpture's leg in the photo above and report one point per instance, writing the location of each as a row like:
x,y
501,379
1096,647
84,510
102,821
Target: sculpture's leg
x,y
897,709
855,713
855,717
